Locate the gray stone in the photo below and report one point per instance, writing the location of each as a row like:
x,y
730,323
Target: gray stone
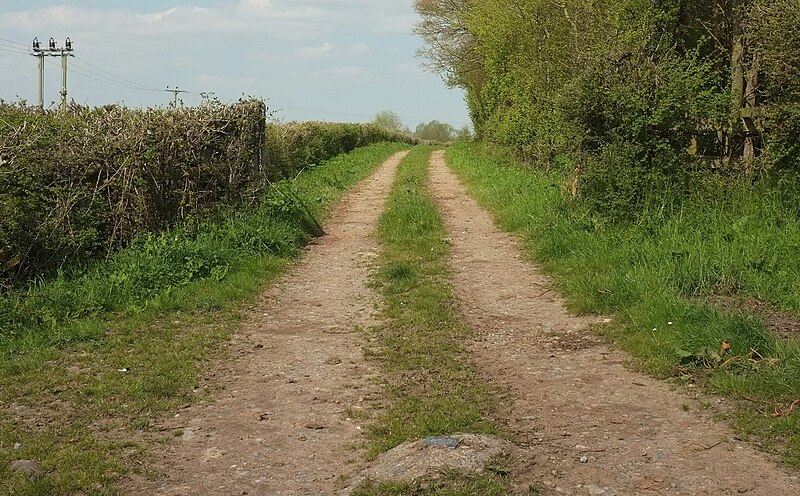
x,y
27,467
418,460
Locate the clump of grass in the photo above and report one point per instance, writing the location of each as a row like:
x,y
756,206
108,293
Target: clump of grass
x,y
660,274
421,346
92,360
450,484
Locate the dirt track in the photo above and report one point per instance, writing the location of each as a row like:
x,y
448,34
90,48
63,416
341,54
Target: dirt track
x,y
584,422
282,424
588,424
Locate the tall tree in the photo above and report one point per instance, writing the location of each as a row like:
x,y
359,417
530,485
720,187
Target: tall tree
x,y
435,131
389,120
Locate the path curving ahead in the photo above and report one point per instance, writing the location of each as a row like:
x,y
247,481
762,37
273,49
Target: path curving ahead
x,y
588,425
282,425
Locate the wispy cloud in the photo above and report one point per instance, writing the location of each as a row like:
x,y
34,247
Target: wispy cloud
x,y
324,50
346,74
294,51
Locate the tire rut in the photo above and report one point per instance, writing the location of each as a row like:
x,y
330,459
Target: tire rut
x,y
282,423
586,423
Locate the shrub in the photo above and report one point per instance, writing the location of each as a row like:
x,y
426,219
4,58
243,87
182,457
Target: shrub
x,y
77,185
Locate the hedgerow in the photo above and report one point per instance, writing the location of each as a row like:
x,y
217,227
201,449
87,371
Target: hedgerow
x,y
78,185
296,145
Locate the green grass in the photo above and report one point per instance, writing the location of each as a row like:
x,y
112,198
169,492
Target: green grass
x,y
450,484
431,384
659,275
92,360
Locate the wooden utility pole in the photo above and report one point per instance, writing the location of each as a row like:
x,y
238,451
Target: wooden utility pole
x,y
66,52
52,51
175,92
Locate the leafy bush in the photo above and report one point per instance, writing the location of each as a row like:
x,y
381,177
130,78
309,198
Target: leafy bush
x,y
294,146
775,36
634,90
81,184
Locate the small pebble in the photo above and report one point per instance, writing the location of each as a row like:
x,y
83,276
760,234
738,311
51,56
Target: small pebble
x,y
584,459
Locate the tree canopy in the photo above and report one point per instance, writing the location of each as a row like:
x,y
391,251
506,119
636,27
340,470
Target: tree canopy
x,y
634,92
390,121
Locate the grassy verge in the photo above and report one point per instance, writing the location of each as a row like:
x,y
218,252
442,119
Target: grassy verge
x,y
421,347
663,278
91,361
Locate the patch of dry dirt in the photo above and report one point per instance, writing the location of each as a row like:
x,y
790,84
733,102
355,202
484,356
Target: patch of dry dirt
x,y
588,424
283,424
784,325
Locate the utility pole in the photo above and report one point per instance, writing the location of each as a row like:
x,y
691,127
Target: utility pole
x,y
66,52
52,51
39,54
175,92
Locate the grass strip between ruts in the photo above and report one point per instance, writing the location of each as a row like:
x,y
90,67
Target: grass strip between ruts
x,y
421,346
96,359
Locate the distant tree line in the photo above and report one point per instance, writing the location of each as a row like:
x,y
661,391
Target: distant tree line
x,y
635,93
436,131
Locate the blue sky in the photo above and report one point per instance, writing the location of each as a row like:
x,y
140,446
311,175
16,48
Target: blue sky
x,y
336,60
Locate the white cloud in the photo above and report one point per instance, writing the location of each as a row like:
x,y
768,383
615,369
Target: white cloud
x,y
315,52
407,69
346,74
359,48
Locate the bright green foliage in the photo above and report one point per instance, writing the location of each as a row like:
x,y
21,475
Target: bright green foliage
x,y
629,93
660,276
775,35
299,145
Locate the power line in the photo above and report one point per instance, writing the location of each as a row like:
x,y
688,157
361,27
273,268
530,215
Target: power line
x,y
133,83
107,81
102,79
26,45
13,48
16,52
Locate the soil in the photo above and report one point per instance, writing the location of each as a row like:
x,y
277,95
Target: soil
x,y
288,419
283,423
587,423
784,325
